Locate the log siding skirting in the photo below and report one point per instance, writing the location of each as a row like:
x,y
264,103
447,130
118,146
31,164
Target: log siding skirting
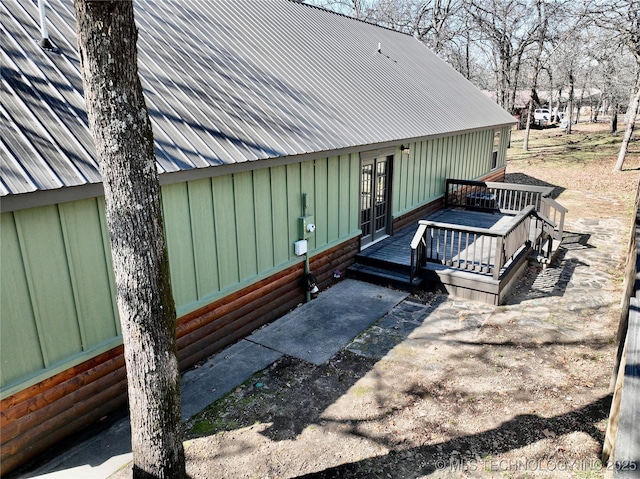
x,y
37,417
41,415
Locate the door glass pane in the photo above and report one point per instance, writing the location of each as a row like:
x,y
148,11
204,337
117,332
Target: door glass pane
x,y
381,196
374,199
366,199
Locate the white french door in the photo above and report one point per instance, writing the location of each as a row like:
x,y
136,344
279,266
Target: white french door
x,y
374,198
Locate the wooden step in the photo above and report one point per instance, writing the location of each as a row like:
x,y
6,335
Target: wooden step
x,y
382,263
545,259
383,277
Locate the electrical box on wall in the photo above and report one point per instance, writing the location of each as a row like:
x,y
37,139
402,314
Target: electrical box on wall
x,y
306,226
300,247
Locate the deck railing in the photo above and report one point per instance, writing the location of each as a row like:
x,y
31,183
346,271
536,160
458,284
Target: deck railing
x,y
538,220
554,212
509,198
518,235
476,250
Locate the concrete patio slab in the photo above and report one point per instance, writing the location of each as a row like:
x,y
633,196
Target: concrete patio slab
x,y
316,331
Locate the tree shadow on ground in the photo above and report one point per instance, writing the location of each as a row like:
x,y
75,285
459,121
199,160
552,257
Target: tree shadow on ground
x,y
268,395
292,395
468,451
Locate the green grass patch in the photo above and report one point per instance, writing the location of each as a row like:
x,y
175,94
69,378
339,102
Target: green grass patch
x,y
360,391
206,427
215,417
560,149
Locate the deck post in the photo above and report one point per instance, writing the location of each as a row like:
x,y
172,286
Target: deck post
x,y
499,257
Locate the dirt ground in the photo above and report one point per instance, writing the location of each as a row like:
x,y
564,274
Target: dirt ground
x,y
455,388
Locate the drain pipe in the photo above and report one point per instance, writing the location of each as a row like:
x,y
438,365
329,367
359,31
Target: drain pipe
x,y
307,268
307,228
44,43
307,275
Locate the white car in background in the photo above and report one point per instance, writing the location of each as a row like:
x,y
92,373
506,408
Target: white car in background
x,y
541,114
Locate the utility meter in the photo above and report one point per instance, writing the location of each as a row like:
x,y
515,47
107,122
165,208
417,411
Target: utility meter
x,y
307,226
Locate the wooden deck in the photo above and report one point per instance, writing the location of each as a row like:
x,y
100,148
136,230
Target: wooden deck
x,y
475,249
388,261
395,249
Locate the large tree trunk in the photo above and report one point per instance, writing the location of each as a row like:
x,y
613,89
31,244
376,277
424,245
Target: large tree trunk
x,y
579,109
633,111
534,100
558,104
570,106
525,141
122,133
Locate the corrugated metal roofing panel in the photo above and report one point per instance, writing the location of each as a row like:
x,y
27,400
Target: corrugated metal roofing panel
x,y
227,82
12,147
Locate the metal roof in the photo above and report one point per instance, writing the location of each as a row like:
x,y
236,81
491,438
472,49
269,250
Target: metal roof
x,y
226,82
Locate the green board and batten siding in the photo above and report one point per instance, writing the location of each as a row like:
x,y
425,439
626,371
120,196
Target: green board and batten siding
x,y
57,289
419,175
222,233
225,232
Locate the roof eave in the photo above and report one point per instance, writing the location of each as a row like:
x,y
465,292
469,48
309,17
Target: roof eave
x,y
15,202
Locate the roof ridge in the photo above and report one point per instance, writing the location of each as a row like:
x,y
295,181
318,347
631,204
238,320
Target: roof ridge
x,y
317,7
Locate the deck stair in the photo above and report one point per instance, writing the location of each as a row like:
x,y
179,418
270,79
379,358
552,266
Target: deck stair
x,y
386,269
476,247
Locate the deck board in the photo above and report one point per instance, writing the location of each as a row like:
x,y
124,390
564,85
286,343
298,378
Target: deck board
x,y
396,249
462,251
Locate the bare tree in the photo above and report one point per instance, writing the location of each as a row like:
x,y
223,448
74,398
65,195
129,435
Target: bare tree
x,y
459,54
355,8
570,104
570,64
477,34
123,138
607,80
430,21
543,23
621,18
433,22
631,122
506,27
